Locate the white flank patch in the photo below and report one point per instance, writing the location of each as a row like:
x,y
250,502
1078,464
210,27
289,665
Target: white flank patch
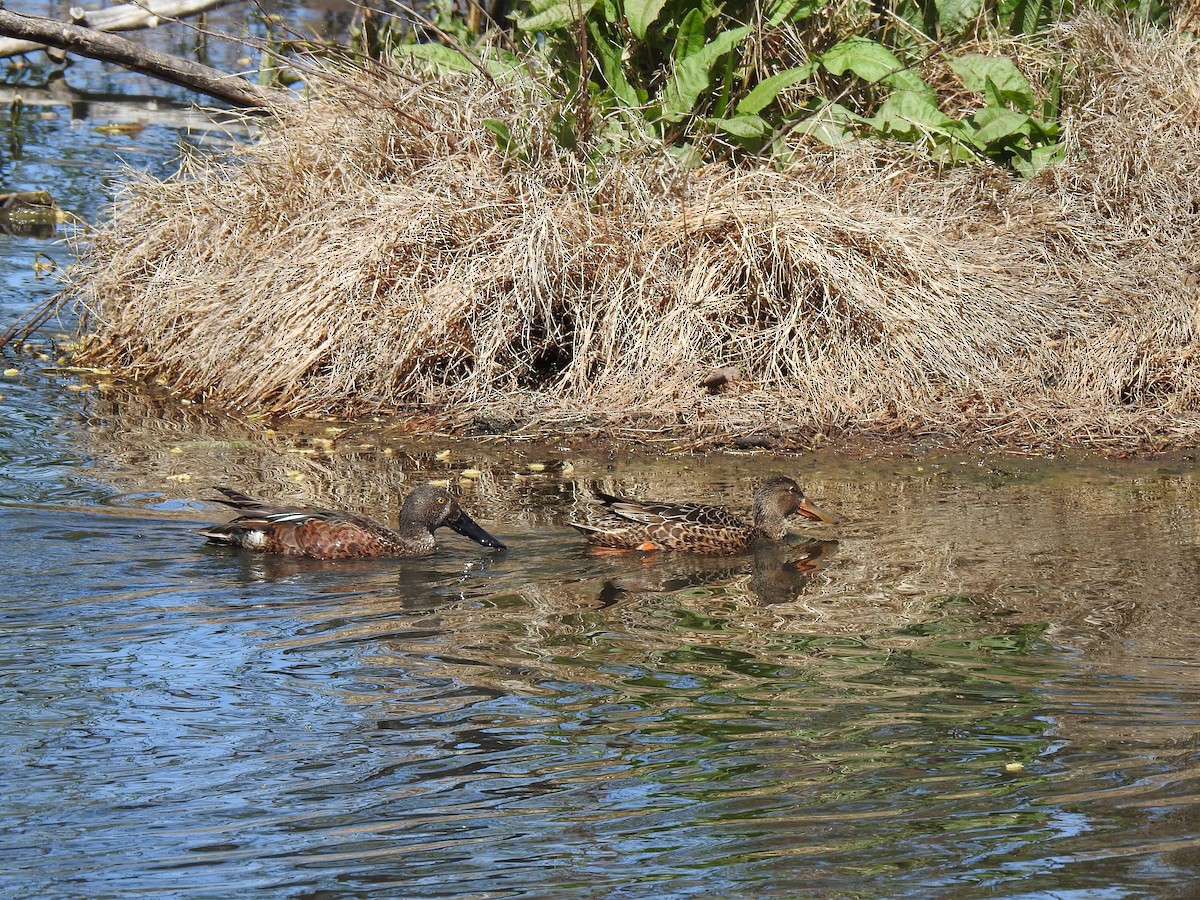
x,y
255,539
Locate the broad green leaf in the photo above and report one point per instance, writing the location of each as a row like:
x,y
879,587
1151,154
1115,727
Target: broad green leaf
x,y
743,126
563,129
954,151
955,15
686,156
502,134
612,58
641,15
909,116
1029,16
909,80
867,59
833,124
556,15
1042,132
765,92
690,38
693,75
995,125
792,11
1038,159
1010,85
438,54
503,61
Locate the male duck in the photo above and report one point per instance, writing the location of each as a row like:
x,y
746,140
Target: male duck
x,y
333,534
637,525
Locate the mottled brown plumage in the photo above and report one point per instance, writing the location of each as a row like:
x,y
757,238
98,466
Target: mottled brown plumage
x,y
335,534
645,525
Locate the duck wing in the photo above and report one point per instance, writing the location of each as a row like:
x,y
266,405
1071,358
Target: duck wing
x,y
654,514
256,510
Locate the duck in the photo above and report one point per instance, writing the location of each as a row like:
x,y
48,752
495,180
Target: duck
x,y
336,534
696,528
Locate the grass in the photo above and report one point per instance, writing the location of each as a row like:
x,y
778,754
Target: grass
x,y
379,253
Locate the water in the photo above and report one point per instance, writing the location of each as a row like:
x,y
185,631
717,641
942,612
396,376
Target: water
x,y
983,684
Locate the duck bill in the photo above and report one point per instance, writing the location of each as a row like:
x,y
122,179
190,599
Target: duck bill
x,y
810,510
469,528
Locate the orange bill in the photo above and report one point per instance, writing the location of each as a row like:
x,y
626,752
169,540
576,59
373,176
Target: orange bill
x,y
810,510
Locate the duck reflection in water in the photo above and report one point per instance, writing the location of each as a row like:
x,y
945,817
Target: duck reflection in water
x,y
778,572
372,586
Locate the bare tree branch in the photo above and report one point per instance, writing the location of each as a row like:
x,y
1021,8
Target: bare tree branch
x,y
109,48
123,17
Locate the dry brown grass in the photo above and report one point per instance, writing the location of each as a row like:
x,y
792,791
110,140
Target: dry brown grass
x,y
378,252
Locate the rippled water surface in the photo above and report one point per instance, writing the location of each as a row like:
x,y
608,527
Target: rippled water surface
x,y
983,684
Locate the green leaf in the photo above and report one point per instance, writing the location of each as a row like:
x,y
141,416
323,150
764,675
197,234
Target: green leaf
x,y
955,15
765,92
908,80
686,156
641,15
792,11
556,14
909,116
1009,84
954,151
993,126
1042,132
690,38
1038,159
832,124
563,129
1029,16
693,75
502,134
743,126
438,54
612,59
867,59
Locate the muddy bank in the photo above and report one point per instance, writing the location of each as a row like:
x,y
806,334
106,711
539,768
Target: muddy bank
x,y
359,263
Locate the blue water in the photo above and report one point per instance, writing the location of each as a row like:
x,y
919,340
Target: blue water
x,y
983,684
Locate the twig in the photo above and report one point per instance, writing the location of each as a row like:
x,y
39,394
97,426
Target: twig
x,y
172,69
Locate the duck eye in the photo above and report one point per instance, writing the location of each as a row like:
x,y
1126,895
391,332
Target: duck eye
x,y
441,501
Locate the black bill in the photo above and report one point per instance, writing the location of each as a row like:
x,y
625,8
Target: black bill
x,y
468,527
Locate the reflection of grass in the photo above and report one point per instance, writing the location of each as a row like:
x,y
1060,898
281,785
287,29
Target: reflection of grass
x,y
928,547
862,730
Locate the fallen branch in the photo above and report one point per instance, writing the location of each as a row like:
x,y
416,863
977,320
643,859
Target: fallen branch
x,y
26,198
110,48
125,17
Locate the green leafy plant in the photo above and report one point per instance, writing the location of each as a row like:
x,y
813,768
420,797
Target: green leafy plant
x,y
1007,129
711,79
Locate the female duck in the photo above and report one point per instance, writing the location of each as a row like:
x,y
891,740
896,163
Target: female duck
x,y
638,525
334,534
